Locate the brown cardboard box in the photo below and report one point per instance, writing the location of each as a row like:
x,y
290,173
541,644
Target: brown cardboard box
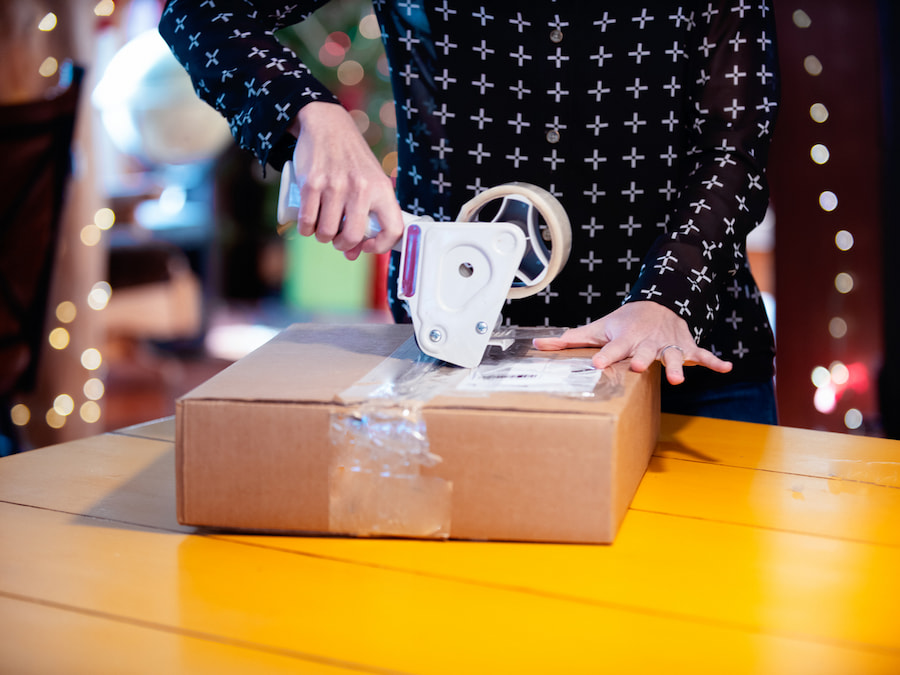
x,y
255,449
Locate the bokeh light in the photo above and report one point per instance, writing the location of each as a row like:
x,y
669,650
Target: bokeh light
x,y
104,218
825,399
812,65
20,414
828,201
837,327
94,389
819,153
48,23
48,67
389,163
801,19
58,338
853,419
104,8
818,112
844,240
350,73
362,120
91,235
369,28
66,311
64,405
387,113
820,376
91,359
99,295
840,373
843,282
90,412
54,419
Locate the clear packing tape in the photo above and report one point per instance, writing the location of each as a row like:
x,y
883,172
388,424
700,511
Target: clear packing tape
x,y
377,485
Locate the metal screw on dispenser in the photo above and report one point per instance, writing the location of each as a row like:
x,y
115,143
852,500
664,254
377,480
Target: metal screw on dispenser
x,y
435,335
481,327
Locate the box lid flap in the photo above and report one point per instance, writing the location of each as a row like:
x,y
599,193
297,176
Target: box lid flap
x,y
305,363
319,363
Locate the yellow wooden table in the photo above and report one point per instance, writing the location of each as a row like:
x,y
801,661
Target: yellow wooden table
x,y
748,549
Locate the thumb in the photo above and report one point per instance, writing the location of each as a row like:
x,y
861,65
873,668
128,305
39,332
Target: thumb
x,y
549,344
570,339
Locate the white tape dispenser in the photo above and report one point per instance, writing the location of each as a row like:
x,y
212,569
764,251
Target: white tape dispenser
x,y
455,276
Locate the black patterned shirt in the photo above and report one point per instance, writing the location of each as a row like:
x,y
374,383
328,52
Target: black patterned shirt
x,y
649,120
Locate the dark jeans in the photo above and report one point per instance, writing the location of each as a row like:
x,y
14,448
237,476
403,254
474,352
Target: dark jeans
x,y
741,401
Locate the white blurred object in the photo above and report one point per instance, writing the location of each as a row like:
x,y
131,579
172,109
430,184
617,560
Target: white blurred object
x,y
149,107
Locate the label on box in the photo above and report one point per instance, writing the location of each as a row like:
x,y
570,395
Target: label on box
x,y
558,376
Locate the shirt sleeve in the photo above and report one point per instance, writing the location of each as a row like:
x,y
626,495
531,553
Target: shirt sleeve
x,y
733,73
239,67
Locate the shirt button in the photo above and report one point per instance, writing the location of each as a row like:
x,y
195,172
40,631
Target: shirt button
x,y
556,35
553,136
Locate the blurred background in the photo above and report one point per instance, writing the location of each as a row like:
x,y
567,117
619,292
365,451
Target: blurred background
x,y
139,255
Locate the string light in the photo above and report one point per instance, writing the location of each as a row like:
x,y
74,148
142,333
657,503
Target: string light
x,y
843,282
853,419
104,218
91,359
812,65
362,120
54,419
20,414
833,381
104,8
389,163
837,327
818,112
844,240
369,28
801,19
66,311
94,389
387,113
91,235
828,201
99,296
48,67
819,153
90,412
48,23
58,338
350,73
64,405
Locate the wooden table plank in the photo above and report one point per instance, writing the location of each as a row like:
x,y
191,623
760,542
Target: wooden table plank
x,y
784,449
162,429
369,616
39,638
843,509
760,580
130,479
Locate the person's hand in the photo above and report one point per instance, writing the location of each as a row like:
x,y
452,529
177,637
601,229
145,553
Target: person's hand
x,y
642,332
341,183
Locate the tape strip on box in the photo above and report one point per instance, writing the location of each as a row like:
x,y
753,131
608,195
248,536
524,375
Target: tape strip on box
x,y
381,444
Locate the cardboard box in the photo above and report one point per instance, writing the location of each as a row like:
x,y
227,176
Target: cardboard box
x,y
256,448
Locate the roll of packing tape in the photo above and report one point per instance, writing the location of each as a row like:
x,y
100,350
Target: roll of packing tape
x,y
529,201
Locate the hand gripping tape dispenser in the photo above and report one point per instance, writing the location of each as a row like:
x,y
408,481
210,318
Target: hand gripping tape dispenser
x,y
455,276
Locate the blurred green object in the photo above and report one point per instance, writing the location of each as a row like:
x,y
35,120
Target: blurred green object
x,y
319,279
